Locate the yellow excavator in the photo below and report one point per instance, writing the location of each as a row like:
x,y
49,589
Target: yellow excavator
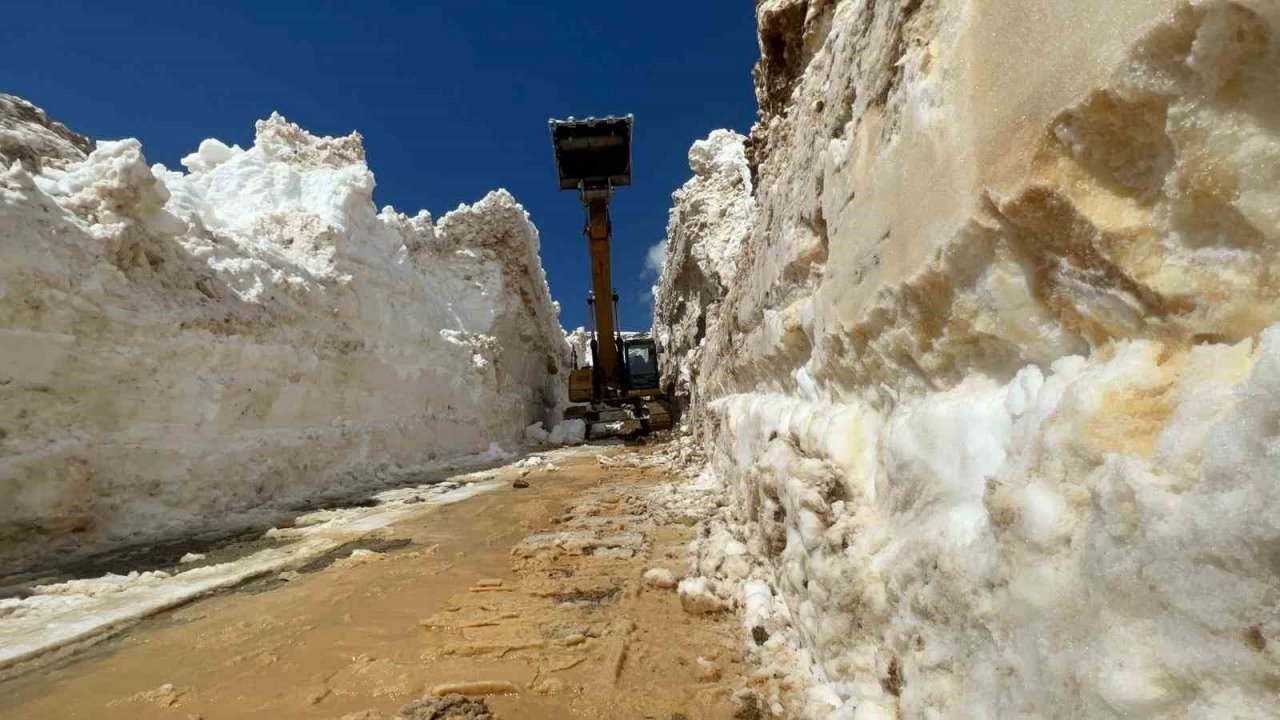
x,y
620,385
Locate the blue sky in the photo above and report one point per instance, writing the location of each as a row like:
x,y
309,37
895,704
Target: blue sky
x,y
452,97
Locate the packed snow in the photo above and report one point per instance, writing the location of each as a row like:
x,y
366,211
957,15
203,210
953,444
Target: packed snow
x,y
711,217
187,350
567,432
989,392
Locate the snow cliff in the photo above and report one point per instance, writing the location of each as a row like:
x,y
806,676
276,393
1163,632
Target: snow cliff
x,y
993,384
182,351
710,219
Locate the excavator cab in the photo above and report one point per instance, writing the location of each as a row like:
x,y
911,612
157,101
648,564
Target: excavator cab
x,y
641,360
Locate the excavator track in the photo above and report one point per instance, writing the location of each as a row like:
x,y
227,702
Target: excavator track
x,y
642,418
659,416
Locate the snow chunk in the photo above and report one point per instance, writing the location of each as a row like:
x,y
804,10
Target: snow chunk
x,y
697,597
211,154
536,433
569,432
660,578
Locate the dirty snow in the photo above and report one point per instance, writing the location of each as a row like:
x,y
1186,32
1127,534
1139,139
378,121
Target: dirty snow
x,y
988,397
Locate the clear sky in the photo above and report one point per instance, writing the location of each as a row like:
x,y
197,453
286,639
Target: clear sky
x,y
452,97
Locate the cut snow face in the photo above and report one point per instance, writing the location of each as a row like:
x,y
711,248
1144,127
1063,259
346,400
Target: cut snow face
x,y
709,223
183,350
981,337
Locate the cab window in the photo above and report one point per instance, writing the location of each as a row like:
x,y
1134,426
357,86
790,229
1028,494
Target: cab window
x,y
640,360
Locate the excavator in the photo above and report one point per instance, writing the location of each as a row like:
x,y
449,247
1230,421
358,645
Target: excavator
x,y
619,386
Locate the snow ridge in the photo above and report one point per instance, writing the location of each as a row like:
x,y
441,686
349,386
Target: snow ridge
x,y
184,351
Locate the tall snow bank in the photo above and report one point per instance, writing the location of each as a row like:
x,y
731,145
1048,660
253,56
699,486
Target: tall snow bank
x,y
182,351
992,387
710,219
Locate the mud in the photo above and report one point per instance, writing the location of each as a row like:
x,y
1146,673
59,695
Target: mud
x,y
216,546
527,603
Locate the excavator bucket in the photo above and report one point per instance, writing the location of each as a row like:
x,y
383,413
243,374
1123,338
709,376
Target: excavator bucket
x,y
592,153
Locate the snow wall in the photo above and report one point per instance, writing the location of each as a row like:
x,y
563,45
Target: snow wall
x,y
979,330
181,352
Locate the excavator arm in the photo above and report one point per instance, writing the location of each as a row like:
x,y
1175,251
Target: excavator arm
x,y
593,156
598,239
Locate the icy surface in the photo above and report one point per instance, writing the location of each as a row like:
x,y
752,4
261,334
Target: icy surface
x,y
990,393
182,350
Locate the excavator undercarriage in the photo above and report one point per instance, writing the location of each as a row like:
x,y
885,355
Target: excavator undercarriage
x,y
620,385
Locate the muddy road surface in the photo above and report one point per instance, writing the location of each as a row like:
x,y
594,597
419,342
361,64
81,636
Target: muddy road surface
x,y
523,603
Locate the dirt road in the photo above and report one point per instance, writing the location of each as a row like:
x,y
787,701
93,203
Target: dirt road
x,y
530,599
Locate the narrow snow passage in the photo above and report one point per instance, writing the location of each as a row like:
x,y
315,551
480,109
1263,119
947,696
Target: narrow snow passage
x,y
551,599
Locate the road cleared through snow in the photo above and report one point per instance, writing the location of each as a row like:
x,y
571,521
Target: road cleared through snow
x,y
64,615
